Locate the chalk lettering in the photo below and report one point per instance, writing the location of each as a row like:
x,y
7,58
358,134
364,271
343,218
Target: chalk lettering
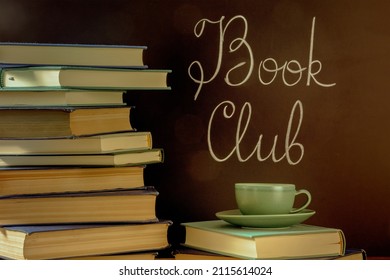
x,y
228,111
234,46
267,65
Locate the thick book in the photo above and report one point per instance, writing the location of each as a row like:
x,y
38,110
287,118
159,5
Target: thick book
x,y
296,242
103,143
51,77
185,253
61,98
124,206
72,54
67,241
146,256
62,122
49,180
119,158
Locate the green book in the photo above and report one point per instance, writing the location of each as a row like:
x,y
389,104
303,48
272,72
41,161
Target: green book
x,y
295,242
72,54
118,158
62,77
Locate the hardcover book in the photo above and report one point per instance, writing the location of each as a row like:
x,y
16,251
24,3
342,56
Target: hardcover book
x,y
72,54
147,256
103,143
57,98
77,241
186,253
49,180
62,122
119,158
295,242
131,206
52,77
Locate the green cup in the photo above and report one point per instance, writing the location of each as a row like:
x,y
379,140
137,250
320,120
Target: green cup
x,y
268,198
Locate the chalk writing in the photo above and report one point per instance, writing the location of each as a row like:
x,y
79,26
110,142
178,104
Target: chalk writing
x,y
288,67
268,71
228,109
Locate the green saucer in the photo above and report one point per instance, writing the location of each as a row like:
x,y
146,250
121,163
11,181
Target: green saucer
x,y
264,221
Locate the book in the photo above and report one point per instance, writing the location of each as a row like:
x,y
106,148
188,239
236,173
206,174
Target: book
x,y
61,77
71,54
147,256
351,254
184,253
296,242
120,158
49,180
103,143
59,98
62,122
66,241
133,206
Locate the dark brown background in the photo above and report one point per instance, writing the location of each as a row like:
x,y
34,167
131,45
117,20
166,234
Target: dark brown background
x,y
345,129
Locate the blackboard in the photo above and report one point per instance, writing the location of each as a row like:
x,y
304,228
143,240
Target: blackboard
x,y
309,78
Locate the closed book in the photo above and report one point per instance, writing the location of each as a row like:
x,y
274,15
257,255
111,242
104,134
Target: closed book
x,y
185,253
71,54
119,158
147,256
51,77
296,242
61,98
49,180
62,122
102,143
72,241
133,206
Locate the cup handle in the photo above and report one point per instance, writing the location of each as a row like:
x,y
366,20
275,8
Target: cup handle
x,y
303,191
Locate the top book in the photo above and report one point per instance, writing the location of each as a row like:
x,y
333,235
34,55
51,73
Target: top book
x,y
72,55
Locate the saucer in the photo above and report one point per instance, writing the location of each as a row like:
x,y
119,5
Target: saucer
x,y
264,221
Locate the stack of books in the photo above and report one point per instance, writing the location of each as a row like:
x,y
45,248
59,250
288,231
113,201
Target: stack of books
x,y
220,240
71,163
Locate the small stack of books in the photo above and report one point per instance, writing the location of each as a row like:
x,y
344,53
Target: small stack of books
x,y
220,240
71,163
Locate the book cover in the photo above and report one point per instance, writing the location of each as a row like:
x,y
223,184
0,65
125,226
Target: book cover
x,y
103,143
49,180
57,77
77,240
122,206
57,98
44,122
72,54
119,158
298,241
186,253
